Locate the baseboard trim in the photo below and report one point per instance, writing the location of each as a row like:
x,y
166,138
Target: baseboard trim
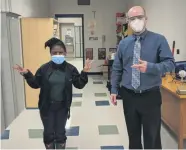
x,y
31,108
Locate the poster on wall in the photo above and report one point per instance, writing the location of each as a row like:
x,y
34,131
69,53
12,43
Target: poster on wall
x,y
89,53
68,37
101,53
92,27
112,50
69,32
68,40
93,38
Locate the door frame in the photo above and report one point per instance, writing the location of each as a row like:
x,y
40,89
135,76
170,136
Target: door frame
x,y
80,41
75,16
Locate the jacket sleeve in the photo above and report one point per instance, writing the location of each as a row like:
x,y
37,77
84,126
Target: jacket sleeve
x,y
79,79
34,81
166,60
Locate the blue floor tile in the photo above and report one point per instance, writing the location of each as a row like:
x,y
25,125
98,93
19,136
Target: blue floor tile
x,y
97,82
112,147
108,129
73,131
77,95
35,133
71,148
5,135
102,103
100,94
76,104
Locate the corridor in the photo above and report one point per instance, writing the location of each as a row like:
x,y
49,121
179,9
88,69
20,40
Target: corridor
x,y
94,124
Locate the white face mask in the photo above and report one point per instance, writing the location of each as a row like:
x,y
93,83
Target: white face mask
x,y
137,25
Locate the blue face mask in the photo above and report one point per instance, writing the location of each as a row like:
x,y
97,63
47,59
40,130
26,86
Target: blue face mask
x,y
58,59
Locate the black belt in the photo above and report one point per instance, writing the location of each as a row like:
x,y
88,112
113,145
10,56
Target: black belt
x,y
142,91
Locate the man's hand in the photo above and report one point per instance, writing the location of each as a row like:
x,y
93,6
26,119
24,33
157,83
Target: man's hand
x,y
113,99
142,66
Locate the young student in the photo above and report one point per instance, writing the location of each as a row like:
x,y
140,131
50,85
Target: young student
x,y
55,79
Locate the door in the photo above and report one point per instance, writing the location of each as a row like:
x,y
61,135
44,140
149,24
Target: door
x,y
16,58
35,32
3,123
67,36
10,99
78,42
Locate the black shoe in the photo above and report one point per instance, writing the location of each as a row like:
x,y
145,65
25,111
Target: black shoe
x,y
50,146
60,145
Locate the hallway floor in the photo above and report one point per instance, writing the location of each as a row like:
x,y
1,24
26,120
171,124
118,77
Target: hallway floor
x,y
94,124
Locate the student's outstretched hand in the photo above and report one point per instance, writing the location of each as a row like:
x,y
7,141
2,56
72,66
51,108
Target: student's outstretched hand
x,y
20,69
87,66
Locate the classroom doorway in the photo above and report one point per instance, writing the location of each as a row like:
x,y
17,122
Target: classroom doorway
x,y
72,34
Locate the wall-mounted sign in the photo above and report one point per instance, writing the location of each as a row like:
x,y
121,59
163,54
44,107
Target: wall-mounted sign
x,y
68,40
101,53
69,32
92,26
112,50
93,38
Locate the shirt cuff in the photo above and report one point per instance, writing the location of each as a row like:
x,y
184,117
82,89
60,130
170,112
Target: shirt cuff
x,y
114,91
150,68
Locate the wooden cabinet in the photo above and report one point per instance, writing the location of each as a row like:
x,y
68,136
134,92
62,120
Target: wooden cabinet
x,y
35,32
174,109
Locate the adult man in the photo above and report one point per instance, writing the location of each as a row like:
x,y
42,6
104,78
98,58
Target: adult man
x,y
139,64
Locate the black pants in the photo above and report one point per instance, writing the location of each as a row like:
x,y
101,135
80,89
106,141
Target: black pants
x,y
143,111
54,124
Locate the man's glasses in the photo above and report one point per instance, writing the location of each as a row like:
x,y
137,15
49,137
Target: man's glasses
x,y
136,17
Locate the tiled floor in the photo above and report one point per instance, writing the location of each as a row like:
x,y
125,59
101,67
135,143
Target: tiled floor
x,y
102,103
94,124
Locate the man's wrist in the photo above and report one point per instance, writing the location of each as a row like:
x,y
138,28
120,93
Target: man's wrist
x,y
114,91
149,67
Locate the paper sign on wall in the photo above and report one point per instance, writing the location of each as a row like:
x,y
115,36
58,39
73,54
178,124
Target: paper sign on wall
x,y
92,27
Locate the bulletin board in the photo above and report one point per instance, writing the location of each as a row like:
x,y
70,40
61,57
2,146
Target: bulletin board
x,y
89,53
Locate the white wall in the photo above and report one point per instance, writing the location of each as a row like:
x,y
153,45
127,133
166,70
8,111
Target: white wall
x,y
5,5
167,17
106,21
27,8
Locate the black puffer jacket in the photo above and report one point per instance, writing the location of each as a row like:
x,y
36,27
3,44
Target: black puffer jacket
x,y
41,80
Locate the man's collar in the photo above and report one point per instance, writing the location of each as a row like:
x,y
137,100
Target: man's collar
x,y
142,35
